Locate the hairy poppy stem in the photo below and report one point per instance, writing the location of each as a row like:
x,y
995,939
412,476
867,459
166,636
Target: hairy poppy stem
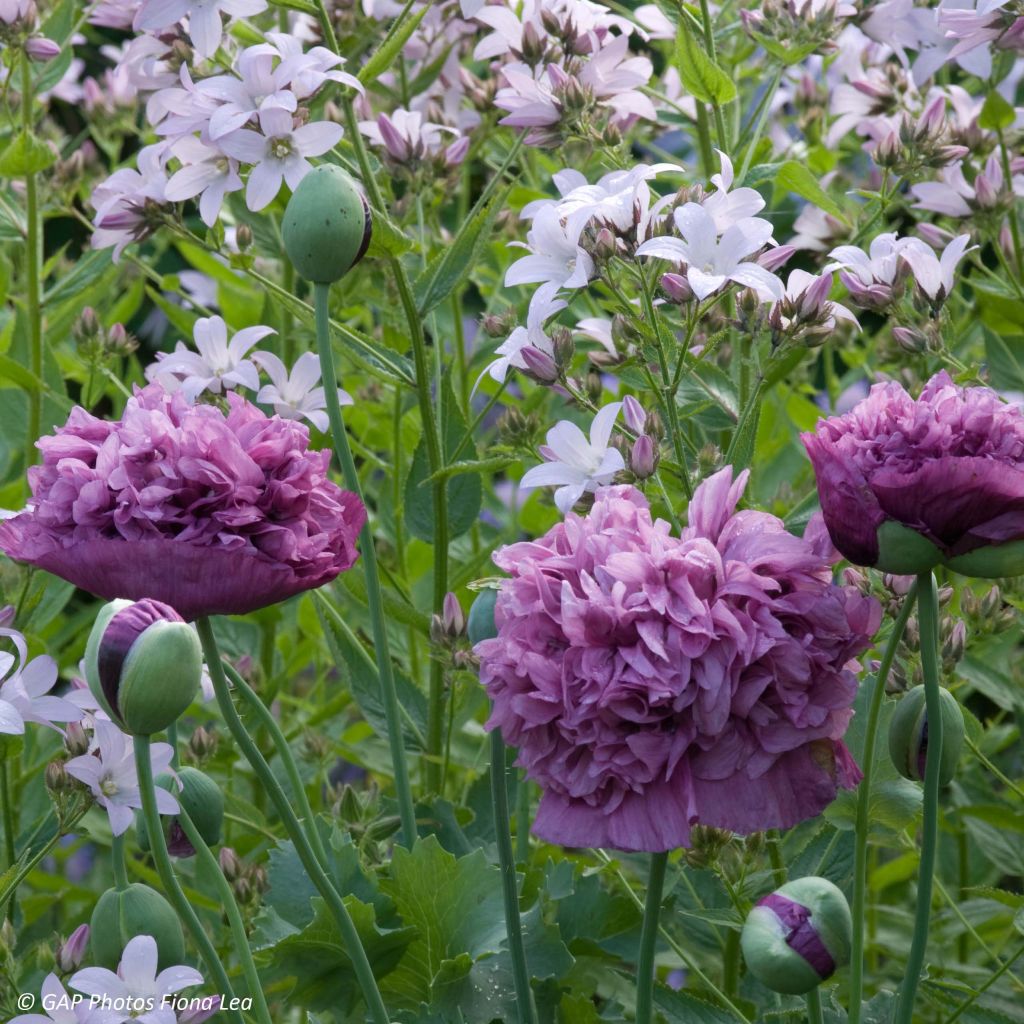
x,y
648,940
928,616
513,923
164,868
860,856
317,875
374,599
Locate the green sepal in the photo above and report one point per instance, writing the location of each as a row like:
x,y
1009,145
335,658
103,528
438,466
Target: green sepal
x,y
906,729
905,552
121,915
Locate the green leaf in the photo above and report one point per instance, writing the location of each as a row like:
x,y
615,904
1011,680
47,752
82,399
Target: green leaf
x,y
795,177
465,492
397,36
700,75
996,113
447,270
87,271
683,1008
1018,920
26,155
455,905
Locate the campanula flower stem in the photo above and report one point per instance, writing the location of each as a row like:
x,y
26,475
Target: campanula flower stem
x,y
510,890
164,868
117,859
814,1014
317,875
928,616
648,939
860,856
241,944
374,598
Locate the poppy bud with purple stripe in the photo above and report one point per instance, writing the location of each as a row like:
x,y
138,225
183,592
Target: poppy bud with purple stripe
x,y
201,799
798,936
908,735
143,663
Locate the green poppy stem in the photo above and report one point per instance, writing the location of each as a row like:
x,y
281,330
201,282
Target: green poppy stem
x,y
374,599
814,1014
648,939
928,616
860,855
117,858
510,891
317,875
164,868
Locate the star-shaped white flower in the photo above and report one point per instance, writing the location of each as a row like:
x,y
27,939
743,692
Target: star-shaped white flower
x,y
24,694
296,395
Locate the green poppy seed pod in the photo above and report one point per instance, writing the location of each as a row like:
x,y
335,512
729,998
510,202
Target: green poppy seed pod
x,y
143,663
327,225
201,799
480,625
908,735
798,936
121,915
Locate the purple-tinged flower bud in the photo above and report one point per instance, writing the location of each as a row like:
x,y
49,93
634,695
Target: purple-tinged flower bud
x,y
539,365
230,864
910,340
813,300
56,778
122,914
987,189
633,414
327,225
41,49
200,797
936,237
7,614
76,741
908,735
143,663
777,256
71,952
874,295
933,117
533,46
200,1010
453,619
677,288
796,937
456,152
643,459
1013,37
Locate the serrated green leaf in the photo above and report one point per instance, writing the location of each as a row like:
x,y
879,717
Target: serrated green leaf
x,y
700,75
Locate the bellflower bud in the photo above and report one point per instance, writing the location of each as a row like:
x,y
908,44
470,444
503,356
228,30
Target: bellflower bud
x,y
908,735
633,414
71,952
143,663
643,459
539,365
201,799
120,915
41,49
453,620
327,225
796,937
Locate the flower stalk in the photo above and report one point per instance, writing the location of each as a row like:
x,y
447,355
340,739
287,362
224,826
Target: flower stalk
x,y
860,855
648,939
350,937
33,268
374,598
814,1014
928,616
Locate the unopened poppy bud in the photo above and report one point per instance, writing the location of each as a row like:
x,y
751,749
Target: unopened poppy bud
x,y
908,735
122,914
327,225
143,663
200,797
643,459
480,625
796,937
71,951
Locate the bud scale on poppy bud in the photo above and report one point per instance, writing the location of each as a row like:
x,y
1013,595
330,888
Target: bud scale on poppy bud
x,y
143,663
201,799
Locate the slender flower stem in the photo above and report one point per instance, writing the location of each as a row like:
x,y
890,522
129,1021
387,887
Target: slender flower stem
x,y
6,796
860,855
814,1014
374,598
164,868
648,939
928,616
349,935
513,924
709,40
523,818
205,856
284,751
33,268
117,857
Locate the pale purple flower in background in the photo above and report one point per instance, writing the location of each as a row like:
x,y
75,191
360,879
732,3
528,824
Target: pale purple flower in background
x,y
109,772
726,207
123,201
575,464
117,14
543,305
954,196
555,253
12,11
217,365
279,151
409,138
599,329
207,173
712,262
24,695
971,28
61,1009
613,199
529,97
934,274
807,299
310,69
869,276
615,77
137,981
297,395
204,24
